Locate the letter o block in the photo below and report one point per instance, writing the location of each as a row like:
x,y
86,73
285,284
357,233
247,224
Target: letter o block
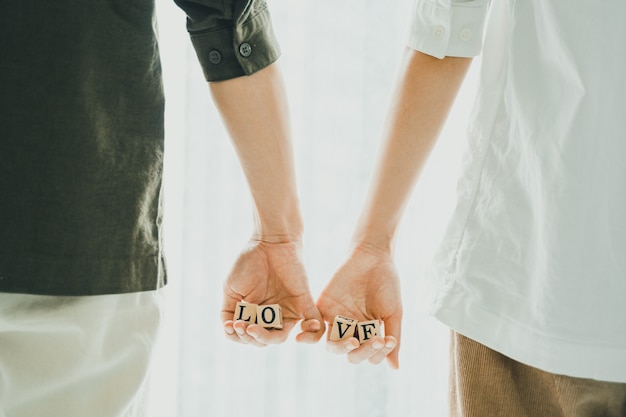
x,y
368,330
270,316
343,328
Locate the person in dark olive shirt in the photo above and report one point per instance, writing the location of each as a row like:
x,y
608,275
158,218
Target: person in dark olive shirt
x,y
81,158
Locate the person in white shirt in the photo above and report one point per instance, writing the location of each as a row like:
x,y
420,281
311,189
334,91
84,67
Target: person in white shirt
x,y
531,274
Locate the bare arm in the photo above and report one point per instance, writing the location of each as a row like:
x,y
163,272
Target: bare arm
x,y
367,287
270,269
426,91
254,110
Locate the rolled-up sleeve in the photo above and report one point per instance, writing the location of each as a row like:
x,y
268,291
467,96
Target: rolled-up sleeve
x,y
231,38
443,28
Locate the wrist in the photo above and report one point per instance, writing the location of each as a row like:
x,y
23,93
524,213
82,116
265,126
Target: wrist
x,y
375,242
376,229
283,227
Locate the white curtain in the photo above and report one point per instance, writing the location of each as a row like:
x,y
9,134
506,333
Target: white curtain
x,y
340,60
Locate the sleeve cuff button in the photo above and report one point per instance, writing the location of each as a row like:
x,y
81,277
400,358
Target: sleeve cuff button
x,y
439,32
465,34
245,49
215,57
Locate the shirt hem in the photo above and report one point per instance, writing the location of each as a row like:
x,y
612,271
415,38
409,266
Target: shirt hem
x,y
525,345
80,277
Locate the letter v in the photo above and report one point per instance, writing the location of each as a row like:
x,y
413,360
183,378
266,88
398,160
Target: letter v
x,y
342,333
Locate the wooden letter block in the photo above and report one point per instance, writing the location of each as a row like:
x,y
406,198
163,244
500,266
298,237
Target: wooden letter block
x,y
270,316
368,330
343,328
246,312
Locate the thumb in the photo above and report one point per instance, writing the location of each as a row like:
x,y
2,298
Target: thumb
x,y
313,326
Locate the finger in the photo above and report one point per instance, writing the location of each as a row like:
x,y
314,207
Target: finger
x,y
229,331
270,336
341,347
390,344
313,326
312,331
241,330
393,327
366,350
227,315
229,304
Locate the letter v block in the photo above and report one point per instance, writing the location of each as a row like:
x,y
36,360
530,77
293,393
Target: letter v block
x,y
368,330
343,328
270,316
246,312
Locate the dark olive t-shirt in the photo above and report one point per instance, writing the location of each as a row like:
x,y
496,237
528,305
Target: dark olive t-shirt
x,y
81,145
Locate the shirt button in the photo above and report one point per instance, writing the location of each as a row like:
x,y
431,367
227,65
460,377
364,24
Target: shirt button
x,y
465,34
439,32
215,57
245,49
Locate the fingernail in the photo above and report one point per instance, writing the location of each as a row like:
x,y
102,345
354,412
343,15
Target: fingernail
x,y
240,331
377,345
349,347
229,330
253,334
390,344
315,325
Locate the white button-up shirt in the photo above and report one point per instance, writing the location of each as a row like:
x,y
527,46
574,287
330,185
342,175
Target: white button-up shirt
x,y
533,263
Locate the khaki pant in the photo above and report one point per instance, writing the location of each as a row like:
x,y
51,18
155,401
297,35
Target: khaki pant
x,y
76,356
485,383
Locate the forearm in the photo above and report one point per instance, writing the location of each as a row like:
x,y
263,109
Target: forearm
x,y
424,95
254,110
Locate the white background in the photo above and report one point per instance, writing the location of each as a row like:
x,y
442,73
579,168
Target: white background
x,y
340,60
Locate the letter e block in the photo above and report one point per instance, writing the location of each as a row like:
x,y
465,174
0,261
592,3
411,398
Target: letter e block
x,y
343,328
245,312
368,330
270,316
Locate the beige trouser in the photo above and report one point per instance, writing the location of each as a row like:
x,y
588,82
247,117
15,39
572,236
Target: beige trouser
x,y
485,383
76,356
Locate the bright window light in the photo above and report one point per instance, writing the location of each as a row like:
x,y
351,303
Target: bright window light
x,y
339,60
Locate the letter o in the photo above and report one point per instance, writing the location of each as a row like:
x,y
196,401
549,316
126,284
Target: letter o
x,y
263,315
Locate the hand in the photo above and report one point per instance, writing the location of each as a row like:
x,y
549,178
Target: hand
x,y
366,287
271,273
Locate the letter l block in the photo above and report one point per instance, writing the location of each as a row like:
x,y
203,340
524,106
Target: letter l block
x,y
246,312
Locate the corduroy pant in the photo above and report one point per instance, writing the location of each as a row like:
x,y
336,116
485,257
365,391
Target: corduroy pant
x,y
485,383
